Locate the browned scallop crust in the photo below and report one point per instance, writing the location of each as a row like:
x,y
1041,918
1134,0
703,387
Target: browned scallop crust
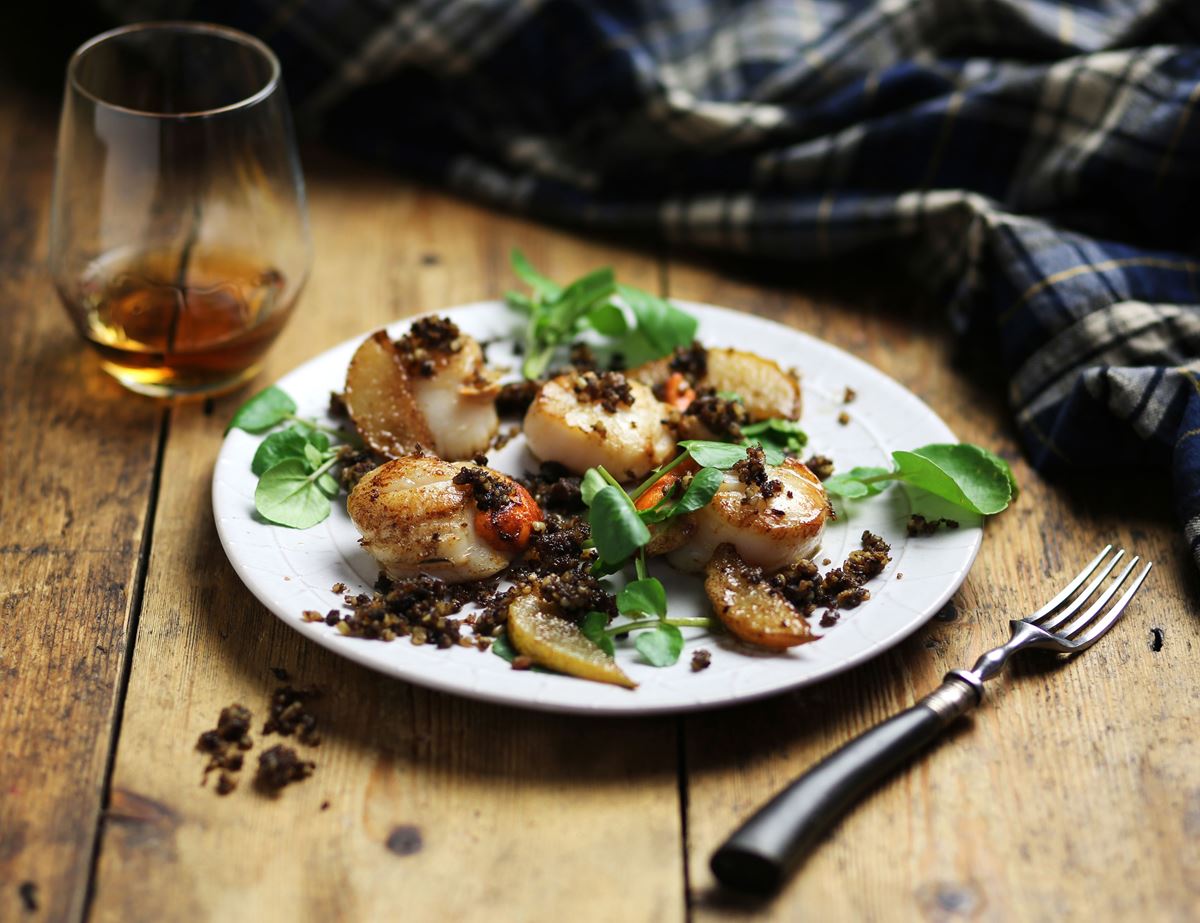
x,y
379,399
766,389
749,606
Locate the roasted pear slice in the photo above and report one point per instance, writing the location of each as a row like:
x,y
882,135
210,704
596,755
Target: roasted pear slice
x,y
766,389
536,630
749,606
380,401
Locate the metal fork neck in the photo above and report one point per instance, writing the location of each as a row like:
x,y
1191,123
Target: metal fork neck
x,y
1024,635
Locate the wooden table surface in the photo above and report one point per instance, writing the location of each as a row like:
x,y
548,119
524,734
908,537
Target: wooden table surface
x,y
1074,793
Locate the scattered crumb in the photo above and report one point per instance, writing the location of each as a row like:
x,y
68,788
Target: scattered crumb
x,y
899,576
290,715
826,562
843,418
522,662
29,896
224,745
821,466
338,588
918,525
324,805
849,395
280,766
701,659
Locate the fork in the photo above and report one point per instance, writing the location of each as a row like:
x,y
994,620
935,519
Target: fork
x,y
760,854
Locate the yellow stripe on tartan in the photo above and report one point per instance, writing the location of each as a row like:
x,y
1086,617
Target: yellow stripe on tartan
x,y
1153,262
1189,375
1188,435
1184,117
1045,440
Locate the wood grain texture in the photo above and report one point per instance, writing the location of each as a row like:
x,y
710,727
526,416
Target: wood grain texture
x,y
78,456
518,815
1073,793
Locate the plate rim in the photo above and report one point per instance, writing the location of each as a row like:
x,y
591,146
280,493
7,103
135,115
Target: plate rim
x,y
335,643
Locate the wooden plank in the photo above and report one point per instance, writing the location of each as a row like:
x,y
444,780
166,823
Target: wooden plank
x,y
1072,794
520,815
78,456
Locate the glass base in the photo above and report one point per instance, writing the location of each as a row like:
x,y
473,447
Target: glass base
x,y
152,384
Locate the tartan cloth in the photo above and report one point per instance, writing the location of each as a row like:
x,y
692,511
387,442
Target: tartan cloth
x,y
1039,161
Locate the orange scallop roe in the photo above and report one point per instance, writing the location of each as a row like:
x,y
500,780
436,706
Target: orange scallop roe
x,y
655,493
510,528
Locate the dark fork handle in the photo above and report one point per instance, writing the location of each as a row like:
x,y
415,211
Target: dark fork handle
x,y
770,844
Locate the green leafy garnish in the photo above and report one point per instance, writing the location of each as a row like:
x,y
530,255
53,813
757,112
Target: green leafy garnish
x,y
778,438
265,410
967,475
593,626
503,648
721,455
293,465
617,529
699,493
643,597
288,494
661,646
557,313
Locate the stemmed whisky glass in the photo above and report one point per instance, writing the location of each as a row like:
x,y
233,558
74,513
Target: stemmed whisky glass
x,y
179,237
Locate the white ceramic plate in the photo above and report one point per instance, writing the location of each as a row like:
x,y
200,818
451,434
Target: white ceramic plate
x,y
291,571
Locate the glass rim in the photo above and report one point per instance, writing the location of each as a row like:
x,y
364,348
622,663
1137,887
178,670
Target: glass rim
x,y
177,25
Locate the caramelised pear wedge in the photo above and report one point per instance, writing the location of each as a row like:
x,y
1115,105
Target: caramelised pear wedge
x,y
380,402
551,641
749,606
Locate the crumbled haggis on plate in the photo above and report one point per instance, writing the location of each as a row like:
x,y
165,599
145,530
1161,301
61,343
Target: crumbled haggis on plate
x,y
279,766
722,417
610,390
701,660
752,471
918,525
849,395
821,466
807,589
843,418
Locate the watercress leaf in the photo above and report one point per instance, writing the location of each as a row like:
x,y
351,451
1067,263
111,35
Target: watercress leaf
x,y
602,568
853,484
660,322
637,349
731,396
778,425
661,646
287,494
287,443
772,453
845,486
617,529
268,408
519,302
545,288
700,491
593,626
313,455
608,319
592,482
707,454
643,597
962,474
1003,466
503,648
329,484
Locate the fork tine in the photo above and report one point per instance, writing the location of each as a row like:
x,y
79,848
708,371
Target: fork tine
x,y
1080,623
1093,634
1059,618
1070,587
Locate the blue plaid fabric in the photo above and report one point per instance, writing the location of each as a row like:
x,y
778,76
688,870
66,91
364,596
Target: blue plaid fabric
x,y
1039,160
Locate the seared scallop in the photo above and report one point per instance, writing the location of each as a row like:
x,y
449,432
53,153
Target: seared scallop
x,y
765,389
428,390
773,516
586,420
422,515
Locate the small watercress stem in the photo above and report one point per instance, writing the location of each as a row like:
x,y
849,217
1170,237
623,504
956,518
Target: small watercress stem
x,y
656,475
697,622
